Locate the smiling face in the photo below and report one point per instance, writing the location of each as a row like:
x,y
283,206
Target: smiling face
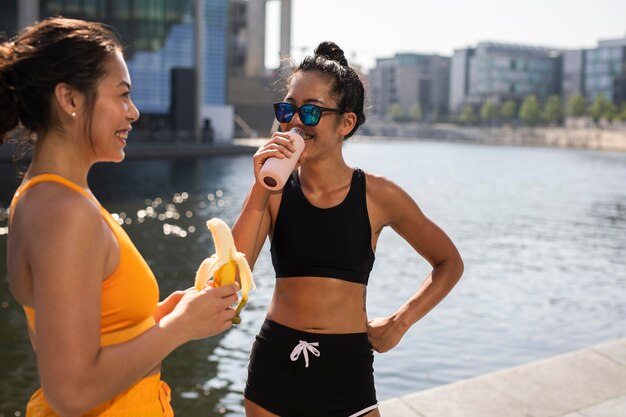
x,y
113,112
312,87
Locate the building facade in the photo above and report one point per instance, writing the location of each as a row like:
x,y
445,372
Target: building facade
x,y
459,78
409,79
499,72
161,38
573,74
605,71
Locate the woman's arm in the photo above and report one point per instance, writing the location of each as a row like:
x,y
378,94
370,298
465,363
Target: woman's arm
x,y
68,260
254,222
399,211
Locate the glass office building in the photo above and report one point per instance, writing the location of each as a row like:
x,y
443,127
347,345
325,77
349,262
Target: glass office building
x,y
511,71
159,38
605,71
499,72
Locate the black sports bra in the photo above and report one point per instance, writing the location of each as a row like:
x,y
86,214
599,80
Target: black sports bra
x,y
332,242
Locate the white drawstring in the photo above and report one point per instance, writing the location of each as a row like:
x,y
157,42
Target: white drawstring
x,y
305,347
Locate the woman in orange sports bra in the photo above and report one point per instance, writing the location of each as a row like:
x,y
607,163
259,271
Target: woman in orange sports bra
x,y
92,303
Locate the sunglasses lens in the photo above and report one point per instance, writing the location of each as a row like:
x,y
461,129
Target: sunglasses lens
x,y
283,112
310,114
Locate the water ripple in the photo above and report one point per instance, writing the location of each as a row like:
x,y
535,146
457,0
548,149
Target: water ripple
x,y
541,231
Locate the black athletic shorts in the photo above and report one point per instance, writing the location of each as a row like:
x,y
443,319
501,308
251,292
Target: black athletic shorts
x,y
300,374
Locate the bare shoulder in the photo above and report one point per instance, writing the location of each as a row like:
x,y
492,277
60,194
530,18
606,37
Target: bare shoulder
x,y
384,190
50,211
388,203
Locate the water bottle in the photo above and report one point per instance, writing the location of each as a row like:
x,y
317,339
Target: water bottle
x,y
275,171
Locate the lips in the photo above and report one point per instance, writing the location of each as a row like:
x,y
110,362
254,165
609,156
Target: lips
x,y
123,134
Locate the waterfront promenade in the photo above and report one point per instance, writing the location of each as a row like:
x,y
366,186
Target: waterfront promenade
x,y
586,138
586,383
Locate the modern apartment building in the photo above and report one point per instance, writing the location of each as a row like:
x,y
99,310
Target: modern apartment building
x,y
176,54
408,79
605,71
498,72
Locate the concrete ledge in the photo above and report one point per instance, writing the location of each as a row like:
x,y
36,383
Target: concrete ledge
x,y
586,383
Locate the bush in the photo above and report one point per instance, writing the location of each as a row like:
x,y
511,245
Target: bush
x,y
553,110
576,105
395,113
467,114
488,112
529,111
508,110
602,108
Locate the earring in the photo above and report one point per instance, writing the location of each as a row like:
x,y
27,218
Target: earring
x,y
74,114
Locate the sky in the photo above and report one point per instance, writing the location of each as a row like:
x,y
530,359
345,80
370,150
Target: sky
x,y
370,29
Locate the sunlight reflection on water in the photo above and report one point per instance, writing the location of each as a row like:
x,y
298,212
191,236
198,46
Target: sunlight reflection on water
x,y
542,233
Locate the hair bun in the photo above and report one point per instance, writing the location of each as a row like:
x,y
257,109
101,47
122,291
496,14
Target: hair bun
x,y
332,52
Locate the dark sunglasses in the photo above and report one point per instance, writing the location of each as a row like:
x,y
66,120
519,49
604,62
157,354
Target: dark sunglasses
x,y
309,114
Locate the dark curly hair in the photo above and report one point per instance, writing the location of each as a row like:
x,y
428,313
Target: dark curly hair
x,y
347,87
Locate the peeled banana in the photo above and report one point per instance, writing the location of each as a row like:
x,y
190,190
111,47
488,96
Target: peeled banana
x,y
221,267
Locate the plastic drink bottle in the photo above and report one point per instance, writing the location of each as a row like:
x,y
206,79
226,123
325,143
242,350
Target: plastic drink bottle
x,y
275,171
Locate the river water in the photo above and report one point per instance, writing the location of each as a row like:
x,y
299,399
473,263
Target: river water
x,y
542,232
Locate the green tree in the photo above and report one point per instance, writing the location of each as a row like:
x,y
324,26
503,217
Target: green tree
x,y
529,111
508,110
622,114
467,114
488,111
416,112
395,112
553,110
602,108
576,105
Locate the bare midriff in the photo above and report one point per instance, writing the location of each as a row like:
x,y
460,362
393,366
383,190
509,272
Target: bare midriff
x,y
319,305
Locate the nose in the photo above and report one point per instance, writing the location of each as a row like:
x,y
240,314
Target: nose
x,y
133,112
295,120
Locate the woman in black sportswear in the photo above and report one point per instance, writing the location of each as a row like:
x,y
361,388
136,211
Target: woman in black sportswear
x,y
313,355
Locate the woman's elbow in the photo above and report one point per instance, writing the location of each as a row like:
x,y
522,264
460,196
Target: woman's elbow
x,y
460,266
453,267
67,402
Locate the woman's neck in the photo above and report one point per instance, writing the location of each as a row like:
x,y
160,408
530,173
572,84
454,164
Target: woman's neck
x,y
57,155
325,175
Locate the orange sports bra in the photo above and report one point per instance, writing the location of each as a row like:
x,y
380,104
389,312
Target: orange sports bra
x,y
129,295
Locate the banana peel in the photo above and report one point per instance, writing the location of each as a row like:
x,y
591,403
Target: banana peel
x,y
221,268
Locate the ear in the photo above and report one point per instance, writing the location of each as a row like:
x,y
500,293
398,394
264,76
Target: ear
x,y
69,100
347,123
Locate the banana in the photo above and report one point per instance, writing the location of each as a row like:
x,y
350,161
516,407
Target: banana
x,y
223,264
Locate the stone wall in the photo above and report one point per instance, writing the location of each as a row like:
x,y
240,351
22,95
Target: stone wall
x,y
592,138
604,138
